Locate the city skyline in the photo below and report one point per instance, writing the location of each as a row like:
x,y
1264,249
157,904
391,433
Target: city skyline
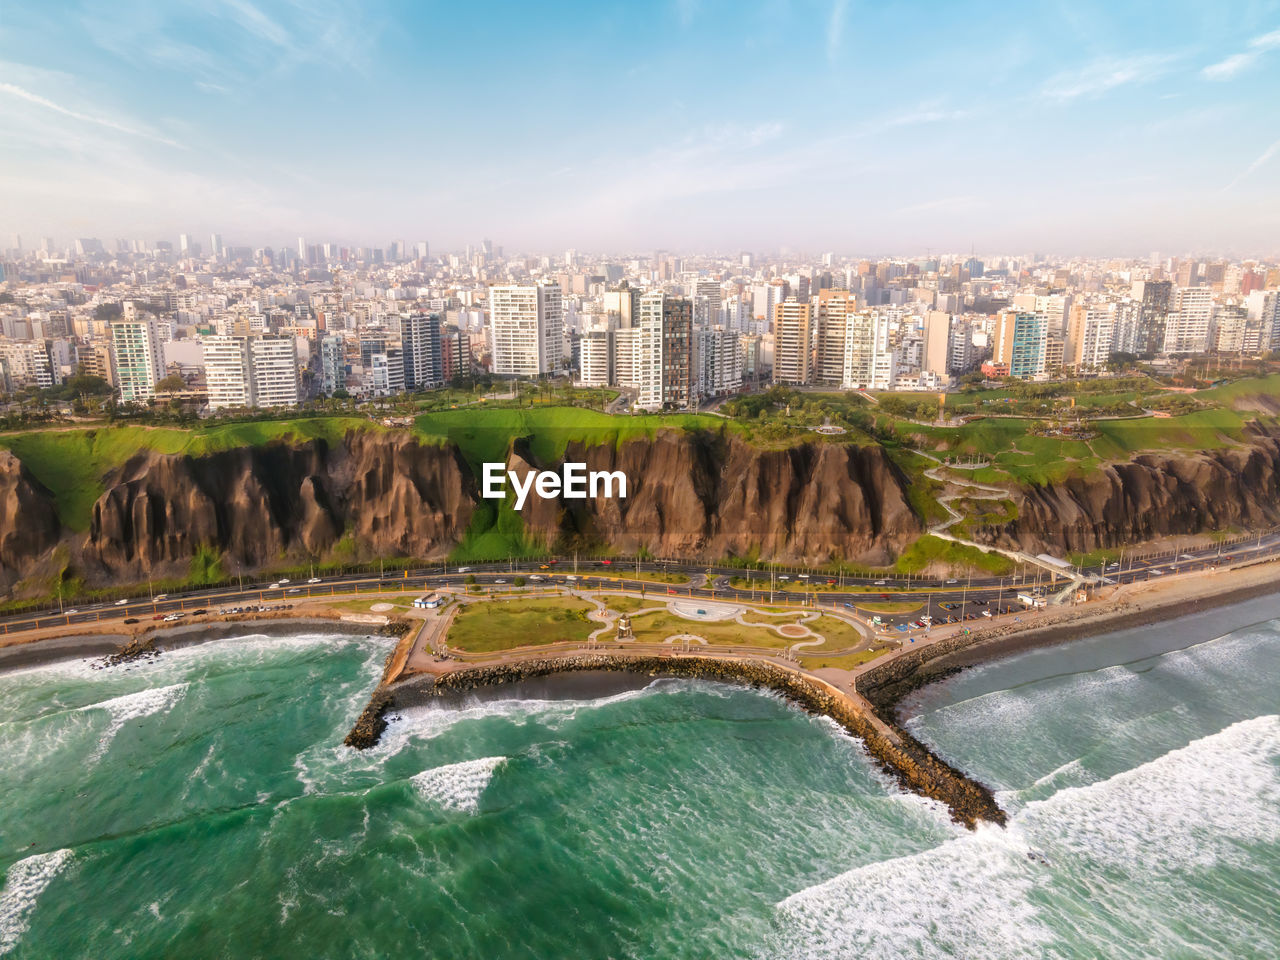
x,y
1080,130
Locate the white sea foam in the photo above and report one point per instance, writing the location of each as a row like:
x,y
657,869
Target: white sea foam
x,y
1186,810
133,706
23,884
458,786
1174,812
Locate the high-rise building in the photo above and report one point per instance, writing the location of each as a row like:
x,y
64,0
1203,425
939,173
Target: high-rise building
x,y
677,353
455,353
936,352
1090,333
1154,297
139,365
706,301
227,372
793,342
1188,327
526,329
1021,339
333,368
661,353
274,361
868,359
834,309
595,358
420,340
717,362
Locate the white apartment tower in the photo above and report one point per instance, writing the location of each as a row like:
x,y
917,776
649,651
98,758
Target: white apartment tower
x,y
226,372
137,355
526,327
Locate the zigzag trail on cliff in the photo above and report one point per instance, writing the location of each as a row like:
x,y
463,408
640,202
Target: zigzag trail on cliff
x,y
987,492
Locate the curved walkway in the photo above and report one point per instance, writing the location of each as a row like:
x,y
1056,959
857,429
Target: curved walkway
x,y
985,491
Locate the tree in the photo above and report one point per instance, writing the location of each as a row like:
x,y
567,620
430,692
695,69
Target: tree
x,y
170,384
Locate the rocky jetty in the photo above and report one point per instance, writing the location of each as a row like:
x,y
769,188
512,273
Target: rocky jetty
x,y
372,722
905,759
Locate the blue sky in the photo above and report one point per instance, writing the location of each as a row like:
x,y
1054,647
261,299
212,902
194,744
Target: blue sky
x,y
887,128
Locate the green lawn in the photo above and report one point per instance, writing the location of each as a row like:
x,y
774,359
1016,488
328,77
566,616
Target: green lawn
x,y
846,662
656,627
491,625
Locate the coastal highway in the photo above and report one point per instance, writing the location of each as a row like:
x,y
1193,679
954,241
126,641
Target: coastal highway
x,y
962,598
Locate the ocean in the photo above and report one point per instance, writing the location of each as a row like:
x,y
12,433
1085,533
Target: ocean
x,y
202,805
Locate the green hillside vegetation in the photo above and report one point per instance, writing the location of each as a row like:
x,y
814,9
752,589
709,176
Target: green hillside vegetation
x,y
930,550
483,434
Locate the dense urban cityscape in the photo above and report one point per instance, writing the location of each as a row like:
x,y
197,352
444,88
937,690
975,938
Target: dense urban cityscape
x,y
218,328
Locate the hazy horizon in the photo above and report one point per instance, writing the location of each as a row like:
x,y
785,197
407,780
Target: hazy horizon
x,y
1080,130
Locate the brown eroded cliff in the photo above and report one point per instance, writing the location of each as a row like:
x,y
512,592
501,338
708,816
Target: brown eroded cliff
x,y
699,494
1148,497
29,525
258,505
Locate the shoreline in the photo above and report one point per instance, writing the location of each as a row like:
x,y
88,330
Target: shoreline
x,y
866,702
887,683
38,653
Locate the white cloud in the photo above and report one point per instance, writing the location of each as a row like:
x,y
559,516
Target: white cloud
x,y
835,28
1105,75
1262,160
1227,68
13,90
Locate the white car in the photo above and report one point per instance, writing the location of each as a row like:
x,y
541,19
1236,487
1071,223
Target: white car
x,y
284,580
71,611
121,603
174,616
314,580
499,581
536,578
1157,573
953,581
464,569
879,583
803,576
986,613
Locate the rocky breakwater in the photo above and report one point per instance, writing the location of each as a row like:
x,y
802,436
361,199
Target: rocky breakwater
x,y
1150,496
910,763
386,493
706,494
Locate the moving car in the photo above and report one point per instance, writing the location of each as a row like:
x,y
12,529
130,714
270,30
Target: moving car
x,y
879,583
121,603
314,580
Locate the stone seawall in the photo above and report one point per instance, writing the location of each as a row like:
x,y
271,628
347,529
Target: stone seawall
x,y
907,761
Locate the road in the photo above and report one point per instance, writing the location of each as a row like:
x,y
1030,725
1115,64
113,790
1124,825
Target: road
x,y
962,598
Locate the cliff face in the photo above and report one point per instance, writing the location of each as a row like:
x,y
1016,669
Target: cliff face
x,y
261,504
29,525
705,495
1150,496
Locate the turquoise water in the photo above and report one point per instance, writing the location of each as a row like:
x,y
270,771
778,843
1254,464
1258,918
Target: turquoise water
x,y
202,805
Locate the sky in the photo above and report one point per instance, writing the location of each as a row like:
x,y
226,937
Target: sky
x,y
889,128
